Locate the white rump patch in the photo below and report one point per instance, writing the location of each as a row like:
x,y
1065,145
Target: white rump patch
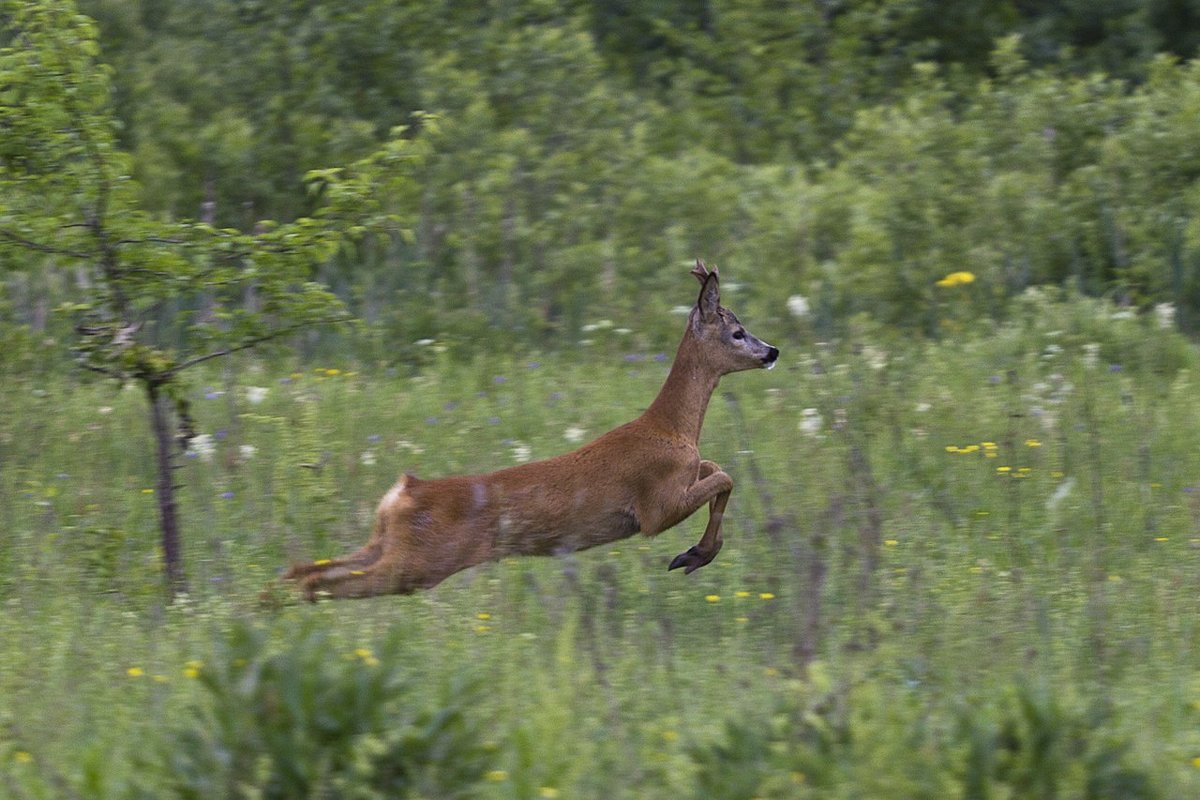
x,y
392,497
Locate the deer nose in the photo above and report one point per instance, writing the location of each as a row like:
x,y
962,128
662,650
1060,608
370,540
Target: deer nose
x,y
769,358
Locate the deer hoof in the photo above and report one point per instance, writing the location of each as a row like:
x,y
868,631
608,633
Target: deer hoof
x,y
691,561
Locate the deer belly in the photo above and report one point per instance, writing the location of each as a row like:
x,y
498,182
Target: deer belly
x,y
561,533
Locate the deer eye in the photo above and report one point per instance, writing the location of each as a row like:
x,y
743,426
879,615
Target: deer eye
x,y
739,335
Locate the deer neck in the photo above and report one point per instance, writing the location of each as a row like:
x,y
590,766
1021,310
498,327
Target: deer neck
x,y
681,403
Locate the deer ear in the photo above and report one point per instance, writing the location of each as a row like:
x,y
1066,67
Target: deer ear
x,y
700,271
710,297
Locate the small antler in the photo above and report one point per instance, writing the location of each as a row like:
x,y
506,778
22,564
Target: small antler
x,y
702,272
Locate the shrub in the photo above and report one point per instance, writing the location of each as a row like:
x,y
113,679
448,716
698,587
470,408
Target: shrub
x,y
308,719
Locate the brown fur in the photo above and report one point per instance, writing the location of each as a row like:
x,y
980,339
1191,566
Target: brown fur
x,y
646,475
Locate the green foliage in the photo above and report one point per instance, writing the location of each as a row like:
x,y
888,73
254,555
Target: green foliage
x,y
306,718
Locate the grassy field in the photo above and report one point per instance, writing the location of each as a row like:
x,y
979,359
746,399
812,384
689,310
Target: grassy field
x,y
968,569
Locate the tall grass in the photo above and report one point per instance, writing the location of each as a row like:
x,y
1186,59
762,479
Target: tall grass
x,y
966,569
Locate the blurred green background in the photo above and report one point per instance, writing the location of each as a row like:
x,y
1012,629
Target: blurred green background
x,y
962,553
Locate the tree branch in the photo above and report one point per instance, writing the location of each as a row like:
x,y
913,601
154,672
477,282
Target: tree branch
x,y
30,244
252,342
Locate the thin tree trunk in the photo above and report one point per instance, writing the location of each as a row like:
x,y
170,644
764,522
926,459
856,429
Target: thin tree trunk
x,y
160,419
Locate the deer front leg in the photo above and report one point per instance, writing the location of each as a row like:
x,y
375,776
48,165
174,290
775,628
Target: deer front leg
x,y
715,486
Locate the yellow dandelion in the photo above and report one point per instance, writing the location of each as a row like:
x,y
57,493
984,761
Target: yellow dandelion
x,y
23,757
1003,469
712,598
497,775
951,448
741,620
483,615
971,448
891,542
670,736
363,653
1032,443
135,672
1195,761
988,445
333,373
961,278
192,669
147,491
765,596
1162,538
741,594
548,792
1025,470
481,629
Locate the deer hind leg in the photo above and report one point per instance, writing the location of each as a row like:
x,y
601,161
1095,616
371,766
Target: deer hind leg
x,y
359,559
715,486
382,576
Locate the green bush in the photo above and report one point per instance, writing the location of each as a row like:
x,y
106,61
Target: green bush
x,y
306,718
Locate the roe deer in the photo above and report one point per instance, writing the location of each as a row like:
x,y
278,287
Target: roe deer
x,y
646,475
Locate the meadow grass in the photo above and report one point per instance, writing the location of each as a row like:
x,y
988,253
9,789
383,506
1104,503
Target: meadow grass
x,y
937,557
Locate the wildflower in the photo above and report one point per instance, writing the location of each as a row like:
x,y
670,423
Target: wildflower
x,y
741,594
247,451
255,394
482,629
104,410
367,459
24,757
670,736
499,379
192,669
1162,538
891,542
496,775
521,452
135,672
712,598
548,792
203,446
1165,314
765,596
483,615
797,306
147,491
810,422
333,373
1003,469
213,394
951,448
574,434
956,279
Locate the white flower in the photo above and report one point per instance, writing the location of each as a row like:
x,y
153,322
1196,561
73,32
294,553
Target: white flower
x,y
423,342
1165,312
204,445
247,451
367,459
574,434
810,422
521,452
256,394
797,306
922,407
1091,355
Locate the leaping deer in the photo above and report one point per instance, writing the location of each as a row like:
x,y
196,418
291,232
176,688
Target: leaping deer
x,y
646,475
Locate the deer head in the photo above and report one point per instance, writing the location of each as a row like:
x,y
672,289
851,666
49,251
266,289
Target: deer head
x,y
723,339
